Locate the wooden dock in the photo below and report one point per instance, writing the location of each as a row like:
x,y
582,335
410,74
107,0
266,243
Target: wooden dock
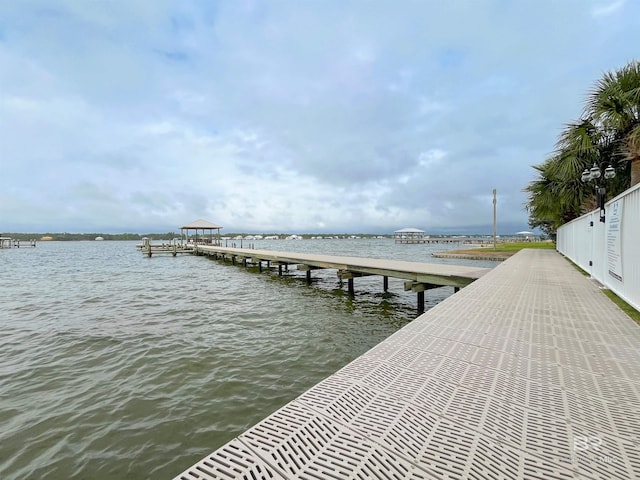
x,y
414,240
418,276
530,372
8,242
173,248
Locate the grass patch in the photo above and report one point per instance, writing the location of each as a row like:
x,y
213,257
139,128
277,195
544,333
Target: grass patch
x,y
503,250
517,246
624,306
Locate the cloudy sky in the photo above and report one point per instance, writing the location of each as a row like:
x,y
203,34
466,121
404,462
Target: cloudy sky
x,y
291,115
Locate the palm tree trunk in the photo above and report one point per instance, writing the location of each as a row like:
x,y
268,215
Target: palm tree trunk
x,y
635,171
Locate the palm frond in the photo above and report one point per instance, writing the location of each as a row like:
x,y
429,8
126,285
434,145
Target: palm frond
x,y
607,133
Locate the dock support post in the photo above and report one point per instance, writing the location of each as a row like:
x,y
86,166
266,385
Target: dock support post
x,y
385,283
350,286
280,269
260,266
244,262
308,277
421,302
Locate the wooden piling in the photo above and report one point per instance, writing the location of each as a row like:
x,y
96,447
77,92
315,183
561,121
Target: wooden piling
x,y
421,302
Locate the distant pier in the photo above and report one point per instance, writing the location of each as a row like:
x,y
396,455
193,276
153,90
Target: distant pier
x,y
415,235
8,242
428,239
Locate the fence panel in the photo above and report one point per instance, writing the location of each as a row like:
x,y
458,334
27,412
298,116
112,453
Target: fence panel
x,y
609,251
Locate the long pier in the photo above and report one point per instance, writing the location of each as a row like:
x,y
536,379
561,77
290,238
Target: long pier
x,y
530,372
418,276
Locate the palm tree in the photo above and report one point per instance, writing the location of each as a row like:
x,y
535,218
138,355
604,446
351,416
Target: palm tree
x,y
579,145
544,211
613,106
557,196
607,133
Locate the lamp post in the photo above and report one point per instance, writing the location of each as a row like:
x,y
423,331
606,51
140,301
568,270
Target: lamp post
x,y
494,218
594,174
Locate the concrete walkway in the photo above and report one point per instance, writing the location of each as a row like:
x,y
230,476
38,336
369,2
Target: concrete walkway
x,y
530,372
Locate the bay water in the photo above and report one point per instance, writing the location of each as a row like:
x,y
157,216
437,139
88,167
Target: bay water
x,y
118,366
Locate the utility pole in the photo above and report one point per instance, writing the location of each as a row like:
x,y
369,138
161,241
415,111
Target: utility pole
x,y
494,218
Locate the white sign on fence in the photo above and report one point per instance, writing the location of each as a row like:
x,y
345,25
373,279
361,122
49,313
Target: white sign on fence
x,y
614,258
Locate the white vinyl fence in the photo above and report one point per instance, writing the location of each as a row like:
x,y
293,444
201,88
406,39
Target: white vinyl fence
x,y
609,251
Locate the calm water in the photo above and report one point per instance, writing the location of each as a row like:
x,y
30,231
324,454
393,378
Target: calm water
x,y
114,365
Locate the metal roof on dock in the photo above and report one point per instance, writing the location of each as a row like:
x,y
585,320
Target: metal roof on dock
x,y
201,224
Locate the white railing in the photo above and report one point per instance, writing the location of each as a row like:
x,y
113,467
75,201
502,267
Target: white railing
x,y
609,251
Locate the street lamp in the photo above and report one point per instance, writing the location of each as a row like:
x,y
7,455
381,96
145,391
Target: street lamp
x,y
594,174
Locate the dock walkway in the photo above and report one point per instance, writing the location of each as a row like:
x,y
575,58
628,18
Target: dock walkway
x,y
434,273
418,276
530,372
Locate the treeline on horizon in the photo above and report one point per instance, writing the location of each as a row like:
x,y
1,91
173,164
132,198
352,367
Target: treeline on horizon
x,y
57,237
166,236
160,236
88,236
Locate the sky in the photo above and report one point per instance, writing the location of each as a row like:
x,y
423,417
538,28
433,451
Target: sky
x,y
288,115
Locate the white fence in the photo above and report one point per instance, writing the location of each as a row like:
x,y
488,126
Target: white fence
x,y
609,251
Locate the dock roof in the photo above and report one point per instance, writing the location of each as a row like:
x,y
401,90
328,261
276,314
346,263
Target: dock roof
x,y
200,224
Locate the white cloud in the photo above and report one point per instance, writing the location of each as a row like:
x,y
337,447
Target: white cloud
x,y
431,157
605,8
288,115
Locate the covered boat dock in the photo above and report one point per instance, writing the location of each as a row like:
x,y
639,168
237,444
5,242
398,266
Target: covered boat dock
x,y
206,237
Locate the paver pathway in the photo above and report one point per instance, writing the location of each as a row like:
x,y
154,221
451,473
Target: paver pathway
x,y
530,372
